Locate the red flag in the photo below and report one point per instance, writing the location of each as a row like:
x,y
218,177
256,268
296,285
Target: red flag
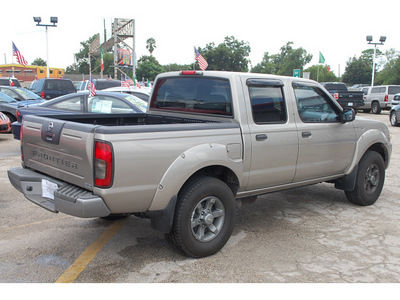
x,y
329,70
20,59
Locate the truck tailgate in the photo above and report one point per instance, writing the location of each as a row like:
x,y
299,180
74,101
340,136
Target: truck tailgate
x,y
59,148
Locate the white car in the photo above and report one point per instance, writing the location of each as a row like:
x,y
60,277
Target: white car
x,y
142,93
396,99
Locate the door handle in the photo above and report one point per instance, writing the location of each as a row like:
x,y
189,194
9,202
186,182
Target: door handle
x,y
261,137
306,134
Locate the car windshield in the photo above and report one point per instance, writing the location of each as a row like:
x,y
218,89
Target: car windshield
x,y
139,103
6,99
28,95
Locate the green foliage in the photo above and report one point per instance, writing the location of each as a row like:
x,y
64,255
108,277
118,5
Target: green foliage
x,y
151,45
390,73
284,62
358,70
148,68
321,73
176,67
231,55
108,59
39,62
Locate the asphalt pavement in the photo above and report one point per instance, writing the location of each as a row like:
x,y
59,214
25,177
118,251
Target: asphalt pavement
x,y
305,235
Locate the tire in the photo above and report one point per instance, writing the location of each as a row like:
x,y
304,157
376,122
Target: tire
x,y
393,118
376,109
204,217
369,180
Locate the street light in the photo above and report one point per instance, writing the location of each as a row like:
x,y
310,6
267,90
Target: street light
x,y
382,39
53,20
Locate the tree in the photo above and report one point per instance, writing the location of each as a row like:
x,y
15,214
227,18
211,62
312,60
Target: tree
x,y
148,68
284,62
151,45
82,58
39,62
358,70
231,55
266,66
322,72
391,71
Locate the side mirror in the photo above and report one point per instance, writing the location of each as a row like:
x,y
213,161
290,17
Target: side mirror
x,y
348,115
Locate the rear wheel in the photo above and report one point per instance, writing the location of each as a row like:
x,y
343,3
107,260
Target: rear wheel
x,y
204,217
376,109
369,180
393,118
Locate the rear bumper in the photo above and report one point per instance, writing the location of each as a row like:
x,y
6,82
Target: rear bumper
x,y
66,198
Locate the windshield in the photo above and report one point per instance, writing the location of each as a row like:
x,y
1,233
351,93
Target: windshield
x,y
28,95
139,103
6,99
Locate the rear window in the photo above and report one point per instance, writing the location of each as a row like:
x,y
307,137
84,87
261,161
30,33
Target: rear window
x,y
60,85
101,85
202,95
394,90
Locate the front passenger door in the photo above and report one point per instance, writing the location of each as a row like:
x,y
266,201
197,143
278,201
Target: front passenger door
x,y
326,144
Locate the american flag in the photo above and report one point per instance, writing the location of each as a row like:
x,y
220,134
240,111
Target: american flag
x,y
124,82
20,59
91,87
202,62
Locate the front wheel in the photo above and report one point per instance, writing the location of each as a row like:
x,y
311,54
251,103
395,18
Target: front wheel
x,y
393,118
204,217
369,180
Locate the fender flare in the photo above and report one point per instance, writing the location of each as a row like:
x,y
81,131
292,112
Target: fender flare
x,y
190,162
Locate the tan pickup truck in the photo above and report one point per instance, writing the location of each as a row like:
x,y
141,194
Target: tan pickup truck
x,y
208,139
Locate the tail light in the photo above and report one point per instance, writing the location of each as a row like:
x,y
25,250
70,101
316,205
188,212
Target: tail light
x,y
20,138
103,164
336,95
386,98
42,94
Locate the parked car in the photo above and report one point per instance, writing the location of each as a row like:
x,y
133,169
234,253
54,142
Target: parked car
x,y
101,103
396,99
142,93
394,115
6,81
8,106
5,123
346,98
19,93
49,88
32,85
378,98
99,84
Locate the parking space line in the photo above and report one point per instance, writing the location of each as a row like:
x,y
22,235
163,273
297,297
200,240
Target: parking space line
x,y
87,256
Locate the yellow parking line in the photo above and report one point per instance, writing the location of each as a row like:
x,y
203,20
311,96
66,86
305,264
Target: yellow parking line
x,y
87,256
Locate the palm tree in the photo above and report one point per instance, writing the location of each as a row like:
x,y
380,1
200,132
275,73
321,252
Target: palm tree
x,y
151,45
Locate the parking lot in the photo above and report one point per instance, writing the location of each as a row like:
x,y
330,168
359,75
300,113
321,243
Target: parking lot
x,y
311,234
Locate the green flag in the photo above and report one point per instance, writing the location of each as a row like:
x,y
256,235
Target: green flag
x,y
321,58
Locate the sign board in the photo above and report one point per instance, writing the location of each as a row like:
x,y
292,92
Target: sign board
x,y
306,75
296,73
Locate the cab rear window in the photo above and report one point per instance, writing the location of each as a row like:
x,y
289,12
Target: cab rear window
x,y
200,95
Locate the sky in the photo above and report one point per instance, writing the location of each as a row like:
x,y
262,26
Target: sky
x,y
337,29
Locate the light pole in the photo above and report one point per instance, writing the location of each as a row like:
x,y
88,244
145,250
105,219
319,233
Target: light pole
x,y
53,20
382,39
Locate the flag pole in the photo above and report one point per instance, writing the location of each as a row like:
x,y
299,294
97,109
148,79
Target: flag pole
x,y
194,64
12,61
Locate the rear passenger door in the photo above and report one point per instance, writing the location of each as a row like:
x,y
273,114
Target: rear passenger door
x,y
274,140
